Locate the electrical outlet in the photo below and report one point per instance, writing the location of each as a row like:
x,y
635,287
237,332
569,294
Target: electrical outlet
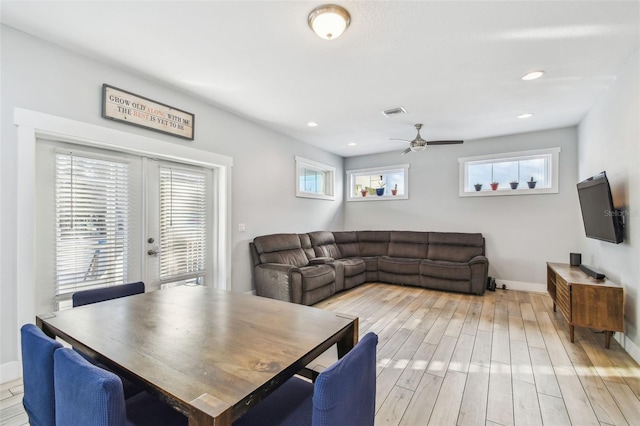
x,y
241,227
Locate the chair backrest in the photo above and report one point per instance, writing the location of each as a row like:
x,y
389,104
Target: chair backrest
x,y
345,393
86,394
87,297
37,373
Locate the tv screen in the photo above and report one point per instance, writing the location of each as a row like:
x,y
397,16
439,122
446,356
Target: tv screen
x,y
601,220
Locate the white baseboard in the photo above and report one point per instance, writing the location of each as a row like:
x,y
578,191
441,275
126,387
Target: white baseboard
x,y
10,371
629,346
521,286
252,292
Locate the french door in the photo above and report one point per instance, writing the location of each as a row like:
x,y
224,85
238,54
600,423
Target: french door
x,y
107,218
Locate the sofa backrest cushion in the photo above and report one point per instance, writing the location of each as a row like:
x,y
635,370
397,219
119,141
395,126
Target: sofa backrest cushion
x,y
454,247
373,243
347,242
305,243
408,244
281,248
324,244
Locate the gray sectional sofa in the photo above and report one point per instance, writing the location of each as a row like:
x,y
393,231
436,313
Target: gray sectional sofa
x,y
308,268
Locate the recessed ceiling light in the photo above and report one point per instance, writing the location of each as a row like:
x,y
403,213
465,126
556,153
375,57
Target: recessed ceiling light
x,y
312,124
352,144
527,115
533,75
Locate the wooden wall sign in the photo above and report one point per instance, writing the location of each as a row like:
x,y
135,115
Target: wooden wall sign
x,y
120,105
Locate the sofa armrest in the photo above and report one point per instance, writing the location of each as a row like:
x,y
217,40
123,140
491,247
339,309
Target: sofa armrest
x,y
479,271
273,280
479,259
320,260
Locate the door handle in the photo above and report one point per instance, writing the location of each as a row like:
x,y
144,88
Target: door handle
x,y
153,252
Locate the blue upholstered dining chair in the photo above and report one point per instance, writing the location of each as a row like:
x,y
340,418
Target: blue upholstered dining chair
x,y
87,297
343,394
37,373
89,395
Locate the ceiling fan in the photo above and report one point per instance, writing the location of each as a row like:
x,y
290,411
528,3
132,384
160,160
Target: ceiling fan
x,y
419,144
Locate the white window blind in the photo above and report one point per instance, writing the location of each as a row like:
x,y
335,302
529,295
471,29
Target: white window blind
x,y
183,225
92,223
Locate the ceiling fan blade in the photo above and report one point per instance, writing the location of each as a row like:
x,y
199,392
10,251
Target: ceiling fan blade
x,y
406,151
399,140
443,142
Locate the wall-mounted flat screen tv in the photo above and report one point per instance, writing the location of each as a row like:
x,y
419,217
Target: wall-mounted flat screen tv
x,y
601,219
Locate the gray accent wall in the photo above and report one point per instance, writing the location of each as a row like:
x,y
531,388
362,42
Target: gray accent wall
x,y
609,138
40,76
522,232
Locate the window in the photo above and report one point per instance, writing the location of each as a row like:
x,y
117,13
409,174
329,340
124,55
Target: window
x,y
314,180
380,183
92,223
183,231
515,173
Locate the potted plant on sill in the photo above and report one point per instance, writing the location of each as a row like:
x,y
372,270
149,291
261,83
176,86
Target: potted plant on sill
x,y
380,189
478,186
514,184
532,183
494,185
394,191
364,192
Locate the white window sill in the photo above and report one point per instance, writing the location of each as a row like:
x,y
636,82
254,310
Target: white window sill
x,y
379,198
509,192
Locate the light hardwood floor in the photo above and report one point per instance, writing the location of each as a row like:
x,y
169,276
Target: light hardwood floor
x,y
499,359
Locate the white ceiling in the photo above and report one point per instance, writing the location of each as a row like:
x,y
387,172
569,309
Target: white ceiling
x,y
454,66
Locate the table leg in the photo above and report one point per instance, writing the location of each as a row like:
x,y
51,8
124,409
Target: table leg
x,y
349,340
607,339
571,327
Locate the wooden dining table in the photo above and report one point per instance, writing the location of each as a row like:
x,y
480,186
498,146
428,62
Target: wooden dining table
x,y
211,354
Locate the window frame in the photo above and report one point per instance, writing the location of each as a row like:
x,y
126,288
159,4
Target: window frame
x,y
329,174
552,173
352,174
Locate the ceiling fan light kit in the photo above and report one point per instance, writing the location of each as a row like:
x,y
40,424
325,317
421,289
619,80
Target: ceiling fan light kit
x,y
329,21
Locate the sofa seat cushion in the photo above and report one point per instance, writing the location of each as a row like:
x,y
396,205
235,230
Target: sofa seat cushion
x,y
317,276
353,266
445,270
399,265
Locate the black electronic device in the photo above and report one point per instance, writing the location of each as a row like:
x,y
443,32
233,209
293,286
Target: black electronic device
x,y
602,221
595,274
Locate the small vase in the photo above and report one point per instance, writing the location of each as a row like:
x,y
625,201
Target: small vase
x,y
532,184
494,186
478,186
379,192
364,192
394,192
514,185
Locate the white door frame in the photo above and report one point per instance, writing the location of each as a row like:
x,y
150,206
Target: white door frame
x,y
32,124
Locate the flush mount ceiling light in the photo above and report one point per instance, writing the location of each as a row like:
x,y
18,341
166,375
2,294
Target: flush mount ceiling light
x,y
533,75
526,115
312,124
329,21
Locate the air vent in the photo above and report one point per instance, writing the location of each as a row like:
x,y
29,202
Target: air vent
x,y
394,111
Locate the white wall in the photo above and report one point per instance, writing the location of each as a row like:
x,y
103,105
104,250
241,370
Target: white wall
x,y
522,232
609,139
43,77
